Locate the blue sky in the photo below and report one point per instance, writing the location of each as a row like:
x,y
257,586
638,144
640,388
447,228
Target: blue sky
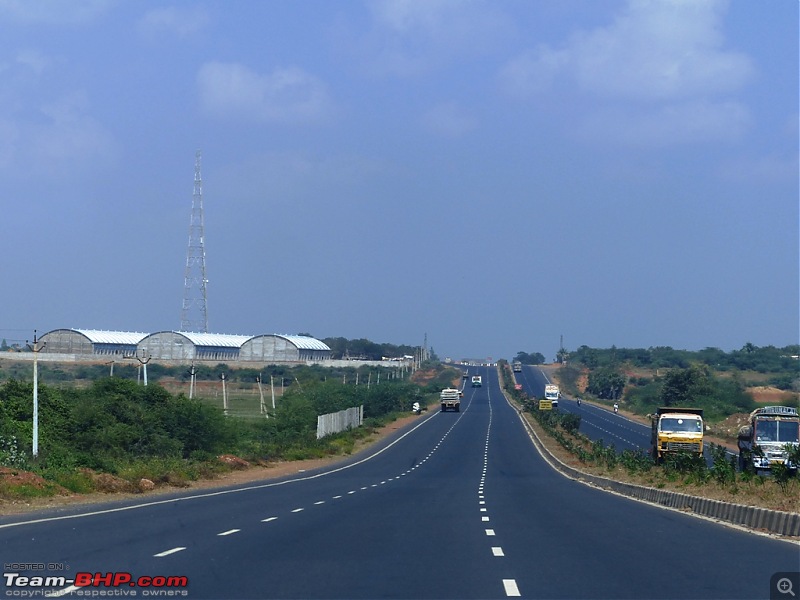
x,y
492,174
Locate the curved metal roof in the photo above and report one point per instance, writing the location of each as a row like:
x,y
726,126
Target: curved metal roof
x,y
217,340
98,336
303,342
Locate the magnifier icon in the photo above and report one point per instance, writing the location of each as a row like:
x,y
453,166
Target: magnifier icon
x,y
784,586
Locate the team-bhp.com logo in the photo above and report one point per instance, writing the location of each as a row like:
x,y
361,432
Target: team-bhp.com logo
x,y
118,583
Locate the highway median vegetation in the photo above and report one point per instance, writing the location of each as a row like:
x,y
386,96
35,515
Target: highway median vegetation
x,y
685,473
113,434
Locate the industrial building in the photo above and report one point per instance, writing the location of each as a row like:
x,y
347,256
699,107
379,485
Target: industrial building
x,y
186,346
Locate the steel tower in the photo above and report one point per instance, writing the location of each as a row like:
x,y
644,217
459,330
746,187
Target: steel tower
x,y
194,315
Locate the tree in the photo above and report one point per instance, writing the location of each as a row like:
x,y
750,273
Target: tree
x,y
606,383
534,358
687,387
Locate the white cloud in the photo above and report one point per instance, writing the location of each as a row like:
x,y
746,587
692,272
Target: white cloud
x,y
449,119
54,12
409,37
286,94
53,139
170,19
675,123
655,50
33,60
69,135
658,74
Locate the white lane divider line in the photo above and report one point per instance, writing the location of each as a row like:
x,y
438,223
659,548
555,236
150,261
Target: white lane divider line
x,y
168,552
297,510
336,497
511,588
484,518
497,551
268,519
230,531
320,502
490,532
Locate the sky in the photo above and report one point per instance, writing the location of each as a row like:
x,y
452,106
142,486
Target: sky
x,y
496,175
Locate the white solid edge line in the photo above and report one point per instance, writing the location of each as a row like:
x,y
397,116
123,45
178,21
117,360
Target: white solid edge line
x,y
218,493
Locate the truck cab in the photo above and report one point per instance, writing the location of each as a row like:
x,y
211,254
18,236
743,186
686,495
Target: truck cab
x,y
763,441
476,381
676,430
552,393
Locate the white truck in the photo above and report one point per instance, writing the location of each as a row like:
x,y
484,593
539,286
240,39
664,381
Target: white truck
x,y
552,393
517,366
450,399
766,439
476,381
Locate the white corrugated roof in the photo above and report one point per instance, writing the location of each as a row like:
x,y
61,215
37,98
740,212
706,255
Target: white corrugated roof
x,y
98,336
304,342
218,340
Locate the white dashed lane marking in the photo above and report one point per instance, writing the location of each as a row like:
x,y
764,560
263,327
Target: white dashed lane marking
x,y
497,551
229,532
168,552
511,588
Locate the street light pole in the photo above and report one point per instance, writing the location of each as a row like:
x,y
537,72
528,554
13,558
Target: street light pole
x,y
35,349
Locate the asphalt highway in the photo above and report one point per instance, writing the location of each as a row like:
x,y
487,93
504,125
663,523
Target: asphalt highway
x,y
459,505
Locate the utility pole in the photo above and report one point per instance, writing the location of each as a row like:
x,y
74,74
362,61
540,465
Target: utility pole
x,y
263,407
192,376
36,348
224,394
143,360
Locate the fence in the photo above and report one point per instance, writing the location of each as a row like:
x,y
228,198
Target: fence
x,y
339,421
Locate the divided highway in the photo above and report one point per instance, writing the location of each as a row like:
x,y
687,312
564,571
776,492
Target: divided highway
x,y
596,423
459,505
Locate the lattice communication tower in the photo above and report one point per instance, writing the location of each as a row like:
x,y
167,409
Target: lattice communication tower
x,y
194,315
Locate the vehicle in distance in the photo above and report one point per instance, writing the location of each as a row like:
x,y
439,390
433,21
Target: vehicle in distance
x,y
476,381
552,393
450,399
766,439
517,366
676,430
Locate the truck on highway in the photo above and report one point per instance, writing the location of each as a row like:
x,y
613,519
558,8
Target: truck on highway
x,y
517,366
552,393
450,399
674,430
767,438
476,381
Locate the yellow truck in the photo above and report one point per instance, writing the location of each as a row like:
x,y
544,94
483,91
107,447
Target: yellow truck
x,y
676,430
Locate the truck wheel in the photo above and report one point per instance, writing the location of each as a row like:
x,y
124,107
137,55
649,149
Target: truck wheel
x,y
458,409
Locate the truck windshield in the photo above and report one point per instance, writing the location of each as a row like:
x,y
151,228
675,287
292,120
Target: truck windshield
x,y
777,431
679,424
